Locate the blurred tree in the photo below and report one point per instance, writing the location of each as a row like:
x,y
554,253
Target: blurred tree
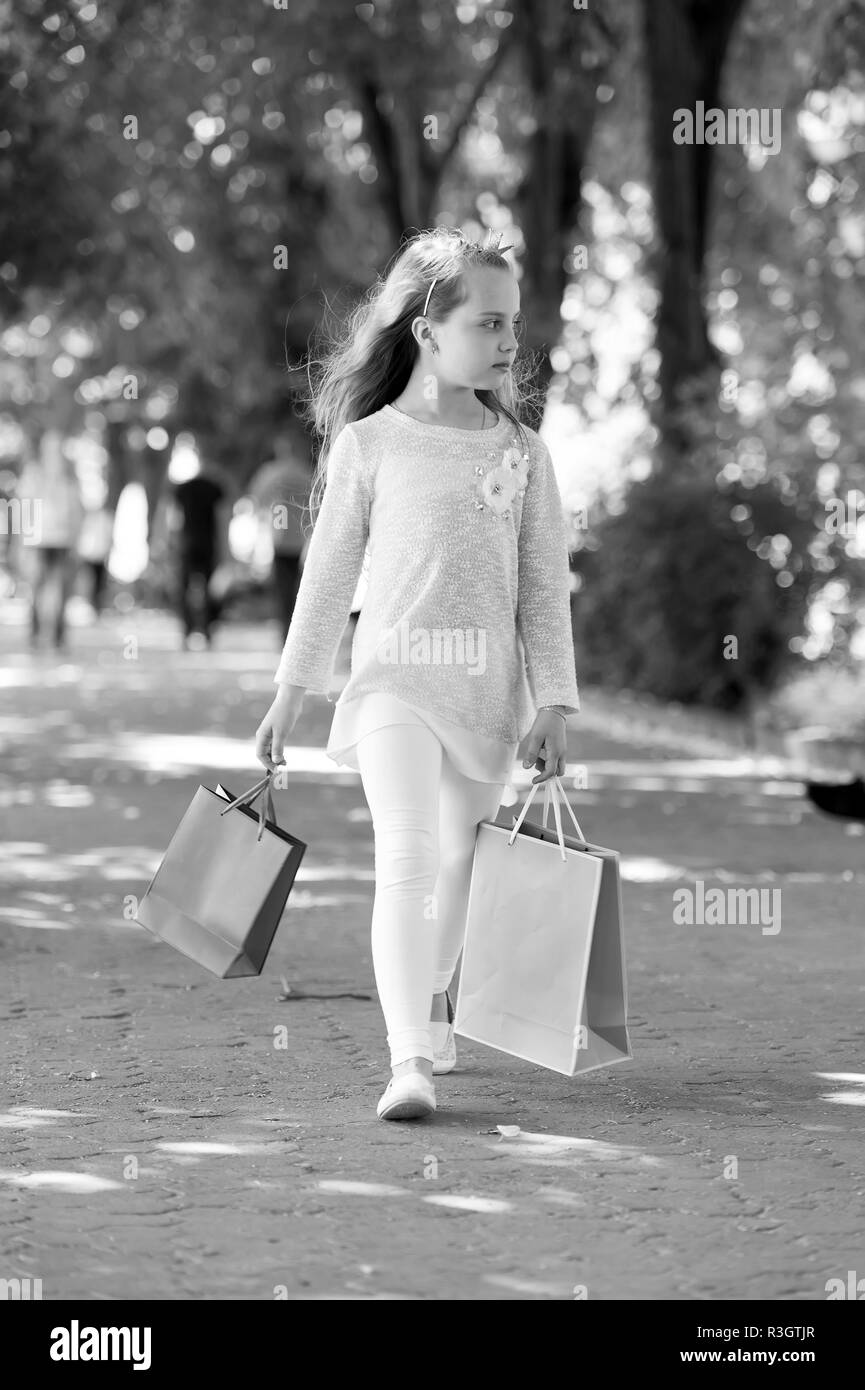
x,y
693,590
756,423
186,184
686,44
566,56
197,188
430,84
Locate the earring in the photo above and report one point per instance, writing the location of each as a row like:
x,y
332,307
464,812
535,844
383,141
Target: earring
x,y
433,346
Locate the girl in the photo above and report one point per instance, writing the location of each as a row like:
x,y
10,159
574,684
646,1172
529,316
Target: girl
x,y
464,633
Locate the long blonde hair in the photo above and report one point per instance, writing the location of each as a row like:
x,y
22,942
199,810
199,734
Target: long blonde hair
x,y
368,363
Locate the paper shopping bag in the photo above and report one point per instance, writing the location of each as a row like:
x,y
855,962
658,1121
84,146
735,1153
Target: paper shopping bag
x,y
223,883
543,969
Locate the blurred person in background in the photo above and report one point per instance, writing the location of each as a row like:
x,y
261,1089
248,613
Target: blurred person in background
x,y
280,489
199,524
94,548
49,485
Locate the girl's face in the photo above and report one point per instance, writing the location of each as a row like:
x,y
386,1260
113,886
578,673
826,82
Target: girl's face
x,y
477,342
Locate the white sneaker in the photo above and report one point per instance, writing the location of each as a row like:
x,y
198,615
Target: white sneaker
x,y
407,1097
444,1047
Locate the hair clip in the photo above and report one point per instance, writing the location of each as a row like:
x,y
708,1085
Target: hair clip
x,y
475,246
497,246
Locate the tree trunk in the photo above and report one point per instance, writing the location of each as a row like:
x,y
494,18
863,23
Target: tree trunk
x,y
549,198
686,43
410,166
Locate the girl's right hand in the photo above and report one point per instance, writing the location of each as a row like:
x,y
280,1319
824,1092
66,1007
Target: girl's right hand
x,y
277,724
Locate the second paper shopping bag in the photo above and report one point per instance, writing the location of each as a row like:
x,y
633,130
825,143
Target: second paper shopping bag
x,y
543,970
221,889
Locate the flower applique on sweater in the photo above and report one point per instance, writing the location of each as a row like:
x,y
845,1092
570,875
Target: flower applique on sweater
x,y
498,487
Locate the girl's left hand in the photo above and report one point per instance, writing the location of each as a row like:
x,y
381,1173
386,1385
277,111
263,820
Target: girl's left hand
x,y
546,746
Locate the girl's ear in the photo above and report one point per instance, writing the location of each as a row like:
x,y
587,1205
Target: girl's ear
x,y
422,332
427,335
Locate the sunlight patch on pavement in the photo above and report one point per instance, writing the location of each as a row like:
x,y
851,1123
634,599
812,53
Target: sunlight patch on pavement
x,y
530,1286
94,664
117,862
658,784
334,871
301,900
26,859
28,862
741,777
354,1297
648,870
45,911
203,1147
704,769
645,869
23,861
12,725
854,1080
182,755
494,1205
35,919
557,1150
360,1189
61,1181
31,1117
66,795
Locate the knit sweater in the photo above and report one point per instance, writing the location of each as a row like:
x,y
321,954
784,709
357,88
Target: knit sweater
x,y
467,609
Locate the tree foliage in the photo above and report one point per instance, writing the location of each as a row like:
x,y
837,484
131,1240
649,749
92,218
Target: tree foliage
x,y
184,184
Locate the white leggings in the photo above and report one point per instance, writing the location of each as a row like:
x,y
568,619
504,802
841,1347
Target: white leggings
x,y
425,815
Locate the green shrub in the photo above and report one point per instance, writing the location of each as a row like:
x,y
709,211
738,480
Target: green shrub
x,y
667,581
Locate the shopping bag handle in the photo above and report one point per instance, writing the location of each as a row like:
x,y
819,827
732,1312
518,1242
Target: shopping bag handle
x,y
267,807
528,801
548,789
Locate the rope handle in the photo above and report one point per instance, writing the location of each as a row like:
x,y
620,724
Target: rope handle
x,y
246,798
548,791
566,803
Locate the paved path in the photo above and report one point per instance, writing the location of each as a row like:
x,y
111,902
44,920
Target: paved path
x,y
154,1143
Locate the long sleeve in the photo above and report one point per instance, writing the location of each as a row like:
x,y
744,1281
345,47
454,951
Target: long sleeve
x,y
331,570
543,593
